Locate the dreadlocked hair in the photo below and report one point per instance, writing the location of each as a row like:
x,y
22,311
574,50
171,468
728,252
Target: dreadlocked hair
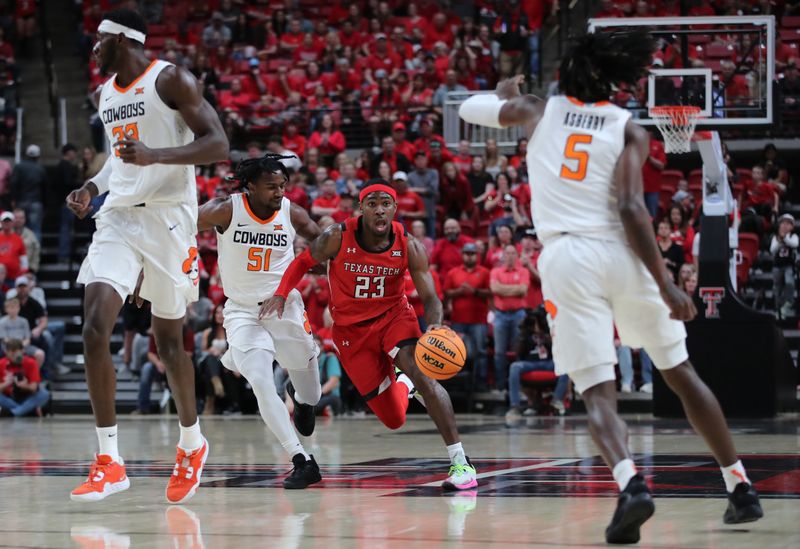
x,y
596,62
249,170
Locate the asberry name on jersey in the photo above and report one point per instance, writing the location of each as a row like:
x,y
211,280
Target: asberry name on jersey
x,y
365,284
254,253
571,161
138,112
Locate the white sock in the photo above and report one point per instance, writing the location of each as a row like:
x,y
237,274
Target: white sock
x,y
456,453
405,380
253,366
733,475
191,437
107,439
623,472
305,381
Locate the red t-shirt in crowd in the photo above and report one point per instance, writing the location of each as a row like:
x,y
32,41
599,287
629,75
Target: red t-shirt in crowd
x,y
316,300
335,145
296,144
409,202
504,275
27,367
298,196
468,309
413,296
447,255
11,249
650,175
763,193
327,202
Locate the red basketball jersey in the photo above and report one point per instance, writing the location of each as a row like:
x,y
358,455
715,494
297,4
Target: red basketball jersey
x,y
366,284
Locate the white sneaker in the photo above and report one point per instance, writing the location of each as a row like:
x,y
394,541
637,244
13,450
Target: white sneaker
x,y
164,402
513,414
626,388
558,406
461,477
646,388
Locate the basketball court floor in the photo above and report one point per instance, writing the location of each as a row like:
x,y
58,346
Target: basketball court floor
x,y
542,484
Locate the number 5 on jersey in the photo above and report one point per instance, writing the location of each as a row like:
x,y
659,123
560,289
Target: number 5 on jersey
x,y
258,259
575,155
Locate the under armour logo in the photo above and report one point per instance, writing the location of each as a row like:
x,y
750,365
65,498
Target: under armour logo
x,y
99,476
345,343
397,253
351,250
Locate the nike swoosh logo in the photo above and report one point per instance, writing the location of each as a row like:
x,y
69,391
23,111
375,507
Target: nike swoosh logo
x,y
112,436
241,224
175,225
107,99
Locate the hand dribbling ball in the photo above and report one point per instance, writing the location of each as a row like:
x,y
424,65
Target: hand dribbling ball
x,y
440,353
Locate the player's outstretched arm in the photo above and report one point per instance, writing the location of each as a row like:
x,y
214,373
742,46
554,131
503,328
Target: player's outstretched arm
x,y
180,89
636,220
321,249
303,224
506,107
423,282
217,212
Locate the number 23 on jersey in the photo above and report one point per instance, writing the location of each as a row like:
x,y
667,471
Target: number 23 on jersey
x,y
577,160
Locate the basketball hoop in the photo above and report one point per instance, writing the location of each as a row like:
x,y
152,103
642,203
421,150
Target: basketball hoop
x,y
676,123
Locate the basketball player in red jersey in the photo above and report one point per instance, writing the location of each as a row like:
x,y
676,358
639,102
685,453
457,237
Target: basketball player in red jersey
x,y
158,126
374,327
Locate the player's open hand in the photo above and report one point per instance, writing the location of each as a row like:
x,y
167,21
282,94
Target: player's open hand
x,y
274,304
680,303
508,88
133,151
79,202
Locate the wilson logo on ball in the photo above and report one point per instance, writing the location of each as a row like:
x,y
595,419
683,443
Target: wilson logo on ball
x,y
439,344
433,361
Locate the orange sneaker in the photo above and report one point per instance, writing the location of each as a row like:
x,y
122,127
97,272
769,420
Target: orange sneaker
x,y
106,477
184,528
186,475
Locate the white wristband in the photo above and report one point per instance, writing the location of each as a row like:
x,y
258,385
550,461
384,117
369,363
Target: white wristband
x,y
100,180
482,109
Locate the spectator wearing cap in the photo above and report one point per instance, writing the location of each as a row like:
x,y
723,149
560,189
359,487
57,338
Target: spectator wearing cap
x,y
438,156
216,33
397,161
783,248
66,181
651,174
450,85
409,204
12,249
21,390
27,184
425,182
36,315
401,144
466,288
328,201
509,284
32,247
530,250
427,136
447,250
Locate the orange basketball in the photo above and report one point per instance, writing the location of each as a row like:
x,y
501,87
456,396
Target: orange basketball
x,y
440,353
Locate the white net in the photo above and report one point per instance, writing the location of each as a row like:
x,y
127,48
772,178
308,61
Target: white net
x,y
677,125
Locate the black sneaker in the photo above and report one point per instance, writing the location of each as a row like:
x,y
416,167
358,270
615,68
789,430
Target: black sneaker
x,y
743,505
634,507
304,415
303,474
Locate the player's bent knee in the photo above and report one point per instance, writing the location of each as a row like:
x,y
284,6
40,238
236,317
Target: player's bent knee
x,y
394,420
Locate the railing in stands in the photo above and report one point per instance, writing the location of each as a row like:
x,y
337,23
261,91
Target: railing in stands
x,y
456,129
18,144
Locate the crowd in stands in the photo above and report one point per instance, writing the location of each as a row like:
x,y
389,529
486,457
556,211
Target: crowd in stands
x,y
295,78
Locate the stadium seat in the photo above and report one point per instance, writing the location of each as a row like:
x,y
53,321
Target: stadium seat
x,y
671,178
695,177
790,35
748,245
719,51
790,21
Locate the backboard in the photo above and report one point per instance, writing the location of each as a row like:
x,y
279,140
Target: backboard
x,y
723,65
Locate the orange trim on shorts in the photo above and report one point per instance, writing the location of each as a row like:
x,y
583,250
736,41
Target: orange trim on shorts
x,y
551,308
254,216
129,86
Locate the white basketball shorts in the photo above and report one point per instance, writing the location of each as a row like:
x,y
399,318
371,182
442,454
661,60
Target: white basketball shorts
x,y
288,338
159,240
589,286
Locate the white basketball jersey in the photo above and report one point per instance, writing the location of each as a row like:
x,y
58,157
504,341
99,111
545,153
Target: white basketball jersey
x,y
571,159
137,111
254,253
